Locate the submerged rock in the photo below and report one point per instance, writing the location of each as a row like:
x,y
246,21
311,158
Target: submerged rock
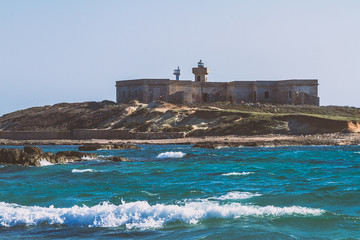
x,y
95,147
118,159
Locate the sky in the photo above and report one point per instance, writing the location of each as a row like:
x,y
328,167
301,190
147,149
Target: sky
x,y
75,50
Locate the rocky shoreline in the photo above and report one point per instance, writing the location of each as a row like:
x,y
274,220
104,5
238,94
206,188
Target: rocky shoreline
x,y
95,147
270,140
34,156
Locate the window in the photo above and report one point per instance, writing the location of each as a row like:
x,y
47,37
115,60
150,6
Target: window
x,y
290,94
266,94
198,78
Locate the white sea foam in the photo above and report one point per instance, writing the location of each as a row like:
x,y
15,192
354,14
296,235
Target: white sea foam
x,y
105,156
237,173
139,214
221,147
44,163
88,158
83,170
171,155
149,193
237,195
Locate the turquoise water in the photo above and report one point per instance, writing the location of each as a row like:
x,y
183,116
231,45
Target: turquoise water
x,y
177,192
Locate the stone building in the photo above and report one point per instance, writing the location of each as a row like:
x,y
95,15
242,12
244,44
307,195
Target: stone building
x,y
295,91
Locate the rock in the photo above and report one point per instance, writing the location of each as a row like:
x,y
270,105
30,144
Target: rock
x,y
74,155
250,144
32,156
118,159
212,145
205,145
88,148
31,160
33,150
95,147
12,156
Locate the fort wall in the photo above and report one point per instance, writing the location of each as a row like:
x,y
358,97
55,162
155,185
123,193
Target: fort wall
x,y
274,92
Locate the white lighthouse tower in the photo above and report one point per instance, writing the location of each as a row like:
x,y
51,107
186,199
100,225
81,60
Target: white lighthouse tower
x,y
177,73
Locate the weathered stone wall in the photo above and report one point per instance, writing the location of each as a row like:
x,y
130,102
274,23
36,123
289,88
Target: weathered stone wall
x,y
144,90
284,96
230,92
213,92
244,91
298,92
176,98
275,92
304,98
181,86
266,91
208,92
22,135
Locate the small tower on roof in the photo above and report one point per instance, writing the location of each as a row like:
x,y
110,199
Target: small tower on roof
x,y
177,73
200,72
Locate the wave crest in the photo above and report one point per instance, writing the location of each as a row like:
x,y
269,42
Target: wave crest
x,y
82,170
44,163
237,173
237,195
139,214
171,155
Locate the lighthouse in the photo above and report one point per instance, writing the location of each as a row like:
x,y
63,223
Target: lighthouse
x,y
200,72
177,73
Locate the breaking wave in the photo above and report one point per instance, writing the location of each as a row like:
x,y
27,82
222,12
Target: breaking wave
x,y
237,173
237,195
139,214
171,155
44,163
83,170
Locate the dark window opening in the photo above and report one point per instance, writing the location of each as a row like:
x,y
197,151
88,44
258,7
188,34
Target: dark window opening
x,y
231,99
206,97
198,78
266,94
290,94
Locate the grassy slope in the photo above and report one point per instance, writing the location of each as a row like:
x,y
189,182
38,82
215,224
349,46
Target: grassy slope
x,y
198,120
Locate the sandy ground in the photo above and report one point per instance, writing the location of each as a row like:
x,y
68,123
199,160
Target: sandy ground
x,y
260,140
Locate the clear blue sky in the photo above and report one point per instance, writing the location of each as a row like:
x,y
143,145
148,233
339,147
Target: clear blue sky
x,y
75,50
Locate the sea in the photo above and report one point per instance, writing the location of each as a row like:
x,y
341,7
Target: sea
x,y
181,192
